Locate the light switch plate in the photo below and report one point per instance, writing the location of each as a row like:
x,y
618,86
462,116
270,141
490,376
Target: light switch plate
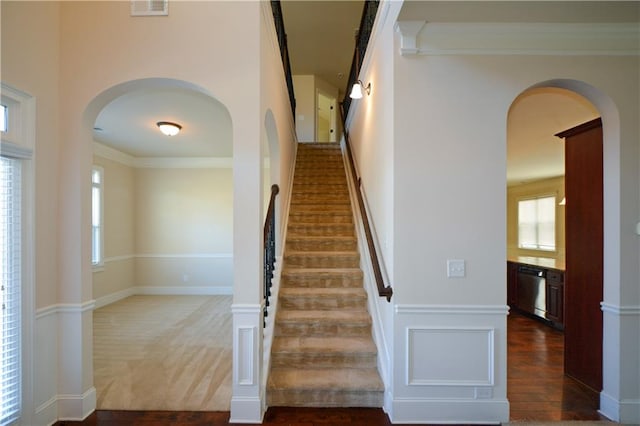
x,y
455,268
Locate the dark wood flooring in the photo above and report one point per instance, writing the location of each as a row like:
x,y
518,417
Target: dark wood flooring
x,y
537,388
537,391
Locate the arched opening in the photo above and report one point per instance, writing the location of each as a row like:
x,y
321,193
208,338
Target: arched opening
x,y
535,117
163,288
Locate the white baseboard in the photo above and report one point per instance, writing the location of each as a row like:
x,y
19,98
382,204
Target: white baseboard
x,y
442,411
114,297
246,410
147,290
47,414
76,407
184,291
624,411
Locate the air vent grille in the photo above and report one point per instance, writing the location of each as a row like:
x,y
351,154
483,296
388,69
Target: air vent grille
x,y
149,7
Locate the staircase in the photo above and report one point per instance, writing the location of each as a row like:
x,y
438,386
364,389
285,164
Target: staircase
x,y
322,354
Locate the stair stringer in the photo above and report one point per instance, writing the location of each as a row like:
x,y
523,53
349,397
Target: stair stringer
x,y
272,309
384,361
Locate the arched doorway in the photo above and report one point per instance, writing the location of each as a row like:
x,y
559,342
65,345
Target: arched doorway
x,y
167,270
563,104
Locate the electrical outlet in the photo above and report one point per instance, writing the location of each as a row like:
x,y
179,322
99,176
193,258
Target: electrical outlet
x,y
185,278
455,268
484,393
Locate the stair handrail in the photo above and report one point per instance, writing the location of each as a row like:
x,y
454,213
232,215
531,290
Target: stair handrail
x,y
383,290
276,8
269,247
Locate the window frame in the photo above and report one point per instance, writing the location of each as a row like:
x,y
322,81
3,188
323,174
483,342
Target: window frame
x,y
99,265
538,247
19,143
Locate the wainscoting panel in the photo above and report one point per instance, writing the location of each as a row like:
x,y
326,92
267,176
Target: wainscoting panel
x,y
430,350
451,364
247,400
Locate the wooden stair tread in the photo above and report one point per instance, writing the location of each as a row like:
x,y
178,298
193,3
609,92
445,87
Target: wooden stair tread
x,y
361,379
323,292
327,316
324,344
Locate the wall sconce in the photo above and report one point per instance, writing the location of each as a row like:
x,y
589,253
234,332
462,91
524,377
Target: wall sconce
x,y
358,87
168,128
563,202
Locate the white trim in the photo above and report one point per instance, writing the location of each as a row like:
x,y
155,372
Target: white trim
x,y
119,258
103,151
410,379
185,256
619,310
114,297
47,412
247,308
184,163
125,257
250,409
65,308
554,39
452,309
441,411
162,291
11,150
616,410
68,405
182,291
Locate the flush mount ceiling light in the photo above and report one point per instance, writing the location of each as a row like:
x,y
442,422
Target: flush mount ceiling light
x,y
168,128
358,87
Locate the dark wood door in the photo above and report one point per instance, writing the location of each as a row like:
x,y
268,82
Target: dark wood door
x,y
584,256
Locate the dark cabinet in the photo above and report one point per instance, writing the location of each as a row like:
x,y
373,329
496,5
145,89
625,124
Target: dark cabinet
x,y
555,296
584,257
512,284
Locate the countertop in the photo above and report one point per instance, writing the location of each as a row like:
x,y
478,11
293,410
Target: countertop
x,y
543,262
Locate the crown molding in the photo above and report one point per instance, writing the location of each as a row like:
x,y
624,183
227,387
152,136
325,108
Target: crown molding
x,y
112,154
556,39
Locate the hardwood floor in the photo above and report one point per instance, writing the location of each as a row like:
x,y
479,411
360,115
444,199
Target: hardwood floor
x,y
537,388
537,391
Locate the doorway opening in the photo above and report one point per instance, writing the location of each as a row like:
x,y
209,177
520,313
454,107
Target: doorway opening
x,y
162,324
538,387
326,118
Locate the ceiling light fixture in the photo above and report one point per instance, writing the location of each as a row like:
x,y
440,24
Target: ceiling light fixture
x,y
168,128
358,87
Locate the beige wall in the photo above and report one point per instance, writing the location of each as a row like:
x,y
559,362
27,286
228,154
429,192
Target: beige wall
x,y
118,271
184,227
167,230
553,186
306,90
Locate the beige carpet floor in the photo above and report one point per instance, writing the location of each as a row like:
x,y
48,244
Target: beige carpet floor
x,y
163,353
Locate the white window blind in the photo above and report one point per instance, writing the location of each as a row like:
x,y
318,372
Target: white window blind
x,y
96,216
537,223
10,266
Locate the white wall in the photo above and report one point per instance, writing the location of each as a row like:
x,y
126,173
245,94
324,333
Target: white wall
x,y
371,132
49,49
448,198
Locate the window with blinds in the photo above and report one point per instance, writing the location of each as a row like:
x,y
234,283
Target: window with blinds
x,y
537,223
97,258
10,265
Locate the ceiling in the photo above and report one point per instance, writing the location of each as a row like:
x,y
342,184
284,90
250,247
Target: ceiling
x,y
321,37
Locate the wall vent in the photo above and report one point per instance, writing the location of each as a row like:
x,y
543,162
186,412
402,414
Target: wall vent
x,y
149,7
